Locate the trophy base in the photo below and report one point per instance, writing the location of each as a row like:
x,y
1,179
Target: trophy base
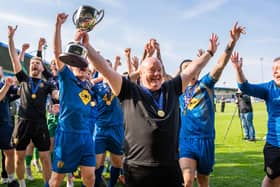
x,y
73,60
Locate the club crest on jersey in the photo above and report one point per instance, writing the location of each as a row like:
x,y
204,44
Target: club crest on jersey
x,y
193,102
60,164
85,96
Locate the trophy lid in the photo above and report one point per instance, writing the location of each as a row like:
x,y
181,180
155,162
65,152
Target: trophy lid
x,y
73,60
74,55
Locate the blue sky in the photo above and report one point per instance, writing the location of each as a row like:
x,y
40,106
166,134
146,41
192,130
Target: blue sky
x,y
181,27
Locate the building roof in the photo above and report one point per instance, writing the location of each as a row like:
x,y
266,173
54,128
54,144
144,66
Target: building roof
x,y
5,60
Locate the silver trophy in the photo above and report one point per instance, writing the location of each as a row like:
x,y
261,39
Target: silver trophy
x,y
86,17
75,55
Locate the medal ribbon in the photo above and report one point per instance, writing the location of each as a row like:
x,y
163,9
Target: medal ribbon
x,y
34,88
159,102
188,94
108,96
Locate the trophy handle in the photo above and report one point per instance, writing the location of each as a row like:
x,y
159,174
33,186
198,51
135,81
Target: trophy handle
x,y
73,17
99,17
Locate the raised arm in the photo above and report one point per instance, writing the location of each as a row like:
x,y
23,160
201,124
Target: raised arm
x,y
235,33
127,53
60,19
196,65
12,50
5,88
156,47
114,78
117,63
237,64
24,47
41,43
46,73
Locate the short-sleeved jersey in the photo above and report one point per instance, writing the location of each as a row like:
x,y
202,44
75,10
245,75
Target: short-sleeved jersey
x,y
4,104
269,92
150,140
109,111
75,104
197,118
33,108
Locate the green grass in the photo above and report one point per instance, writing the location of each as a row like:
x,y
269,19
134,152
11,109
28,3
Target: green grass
x,y
239,163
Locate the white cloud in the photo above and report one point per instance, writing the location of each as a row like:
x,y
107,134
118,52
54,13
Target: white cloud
x,y
202,7
13,18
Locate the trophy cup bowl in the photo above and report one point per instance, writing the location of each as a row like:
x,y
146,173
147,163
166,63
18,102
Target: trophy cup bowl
x,y
86,17
74,55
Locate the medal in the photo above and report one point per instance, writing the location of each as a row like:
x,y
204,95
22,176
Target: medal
x,y
16,141
33,96
108,103
92,103
34,88
161,113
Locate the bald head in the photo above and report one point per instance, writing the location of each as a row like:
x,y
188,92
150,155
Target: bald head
x,y
149,61
151,73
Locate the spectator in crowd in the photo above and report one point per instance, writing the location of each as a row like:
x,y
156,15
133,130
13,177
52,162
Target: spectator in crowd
x,y
245,109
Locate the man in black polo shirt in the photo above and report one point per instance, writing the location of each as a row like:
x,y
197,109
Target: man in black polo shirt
x,y
31,124
151,116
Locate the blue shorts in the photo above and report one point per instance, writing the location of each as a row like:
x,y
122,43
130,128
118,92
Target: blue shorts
x,y
109,138
200,149
72,150
6,132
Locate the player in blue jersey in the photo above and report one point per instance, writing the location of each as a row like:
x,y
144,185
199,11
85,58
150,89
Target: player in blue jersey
x,y
73,145
197,133
109,132
6,128
270,92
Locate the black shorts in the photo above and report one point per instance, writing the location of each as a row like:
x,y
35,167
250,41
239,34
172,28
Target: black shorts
x,y
26,130
271,160
139,176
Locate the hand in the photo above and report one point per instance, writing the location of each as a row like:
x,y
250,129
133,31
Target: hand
x,y
200,52
127,52
156,46
11,31
25,46
61,18
118,61
135,63
213,43
236,31
236,61
153,42
55,108
9,81
149,50
42,41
